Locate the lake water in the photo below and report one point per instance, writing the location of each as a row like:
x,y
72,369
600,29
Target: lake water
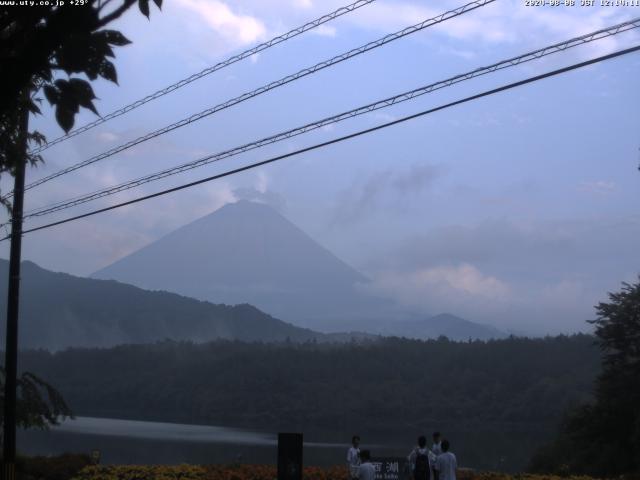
x,y
503,447
129,441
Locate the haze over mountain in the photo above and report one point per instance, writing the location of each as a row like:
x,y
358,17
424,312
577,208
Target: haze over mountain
x,y
444,324
247,252
58,310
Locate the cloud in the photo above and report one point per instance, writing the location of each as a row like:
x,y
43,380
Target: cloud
x,y
458,52
443,281
107,137
540,277
461,289
252,194
220,18
260,192
482,24
81,248
383,117
302,4
598,187
367,194
527,248
504,22
325,31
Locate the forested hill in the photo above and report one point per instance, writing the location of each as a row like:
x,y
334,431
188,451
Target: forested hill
x,y
59,310
390,387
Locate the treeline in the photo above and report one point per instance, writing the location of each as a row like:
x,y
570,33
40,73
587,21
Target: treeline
x,y
381,386
601,438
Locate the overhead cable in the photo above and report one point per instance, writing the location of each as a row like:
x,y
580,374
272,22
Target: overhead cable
x,y
207,71
380,104
359,133
266,88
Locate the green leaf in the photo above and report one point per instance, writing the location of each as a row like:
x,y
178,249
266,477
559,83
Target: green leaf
x,y
144,7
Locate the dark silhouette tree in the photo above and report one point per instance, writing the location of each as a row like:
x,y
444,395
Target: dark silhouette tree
x,y
603,439
39,404
45,49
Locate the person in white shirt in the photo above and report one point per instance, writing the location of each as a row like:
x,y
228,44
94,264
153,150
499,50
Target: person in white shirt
x,y
419,460
366,471
353,457
436,449
446,463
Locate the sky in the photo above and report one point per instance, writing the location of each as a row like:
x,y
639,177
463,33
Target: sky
x,y
518,210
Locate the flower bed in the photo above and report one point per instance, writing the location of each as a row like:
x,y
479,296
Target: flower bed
x,y
209,472
142,472
257,472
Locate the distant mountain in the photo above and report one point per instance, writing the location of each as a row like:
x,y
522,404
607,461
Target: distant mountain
x,y
247,252
445,324
59,310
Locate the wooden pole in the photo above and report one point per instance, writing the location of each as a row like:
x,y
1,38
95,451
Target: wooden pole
x,y
13,299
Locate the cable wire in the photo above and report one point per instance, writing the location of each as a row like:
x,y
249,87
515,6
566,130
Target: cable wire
x,y
403,97
265,88
341,139
207,71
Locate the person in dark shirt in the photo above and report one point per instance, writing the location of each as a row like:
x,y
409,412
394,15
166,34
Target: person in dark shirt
x,y
419,460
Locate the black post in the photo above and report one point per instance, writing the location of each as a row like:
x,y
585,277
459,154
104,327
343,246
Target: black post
x,y
13,300
289,456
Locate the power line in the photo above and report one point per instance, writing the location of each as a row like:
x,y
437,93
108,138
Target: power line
x,y
207,71
343,138
511,62
265,88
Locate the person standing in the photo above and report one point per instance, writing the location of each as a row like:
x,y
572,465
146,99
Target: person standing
x,y
419,460
366,471
446,463
436,449
353,457
437,443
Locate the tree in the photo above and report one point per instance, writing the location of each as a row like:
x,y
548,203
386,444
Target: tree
x,y
39,47
603,438
39,404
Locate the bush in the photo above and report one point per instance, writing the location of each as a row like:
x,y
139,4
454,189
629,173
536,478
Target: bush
x,y
62,467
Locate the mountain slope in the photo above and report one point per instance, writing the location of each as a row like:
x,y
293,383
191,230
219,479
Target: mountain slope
x,y
248,253
59,310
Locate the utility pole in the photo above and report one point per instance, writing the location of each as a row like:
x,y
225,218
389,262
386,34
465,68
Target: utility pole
x,y
13,297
